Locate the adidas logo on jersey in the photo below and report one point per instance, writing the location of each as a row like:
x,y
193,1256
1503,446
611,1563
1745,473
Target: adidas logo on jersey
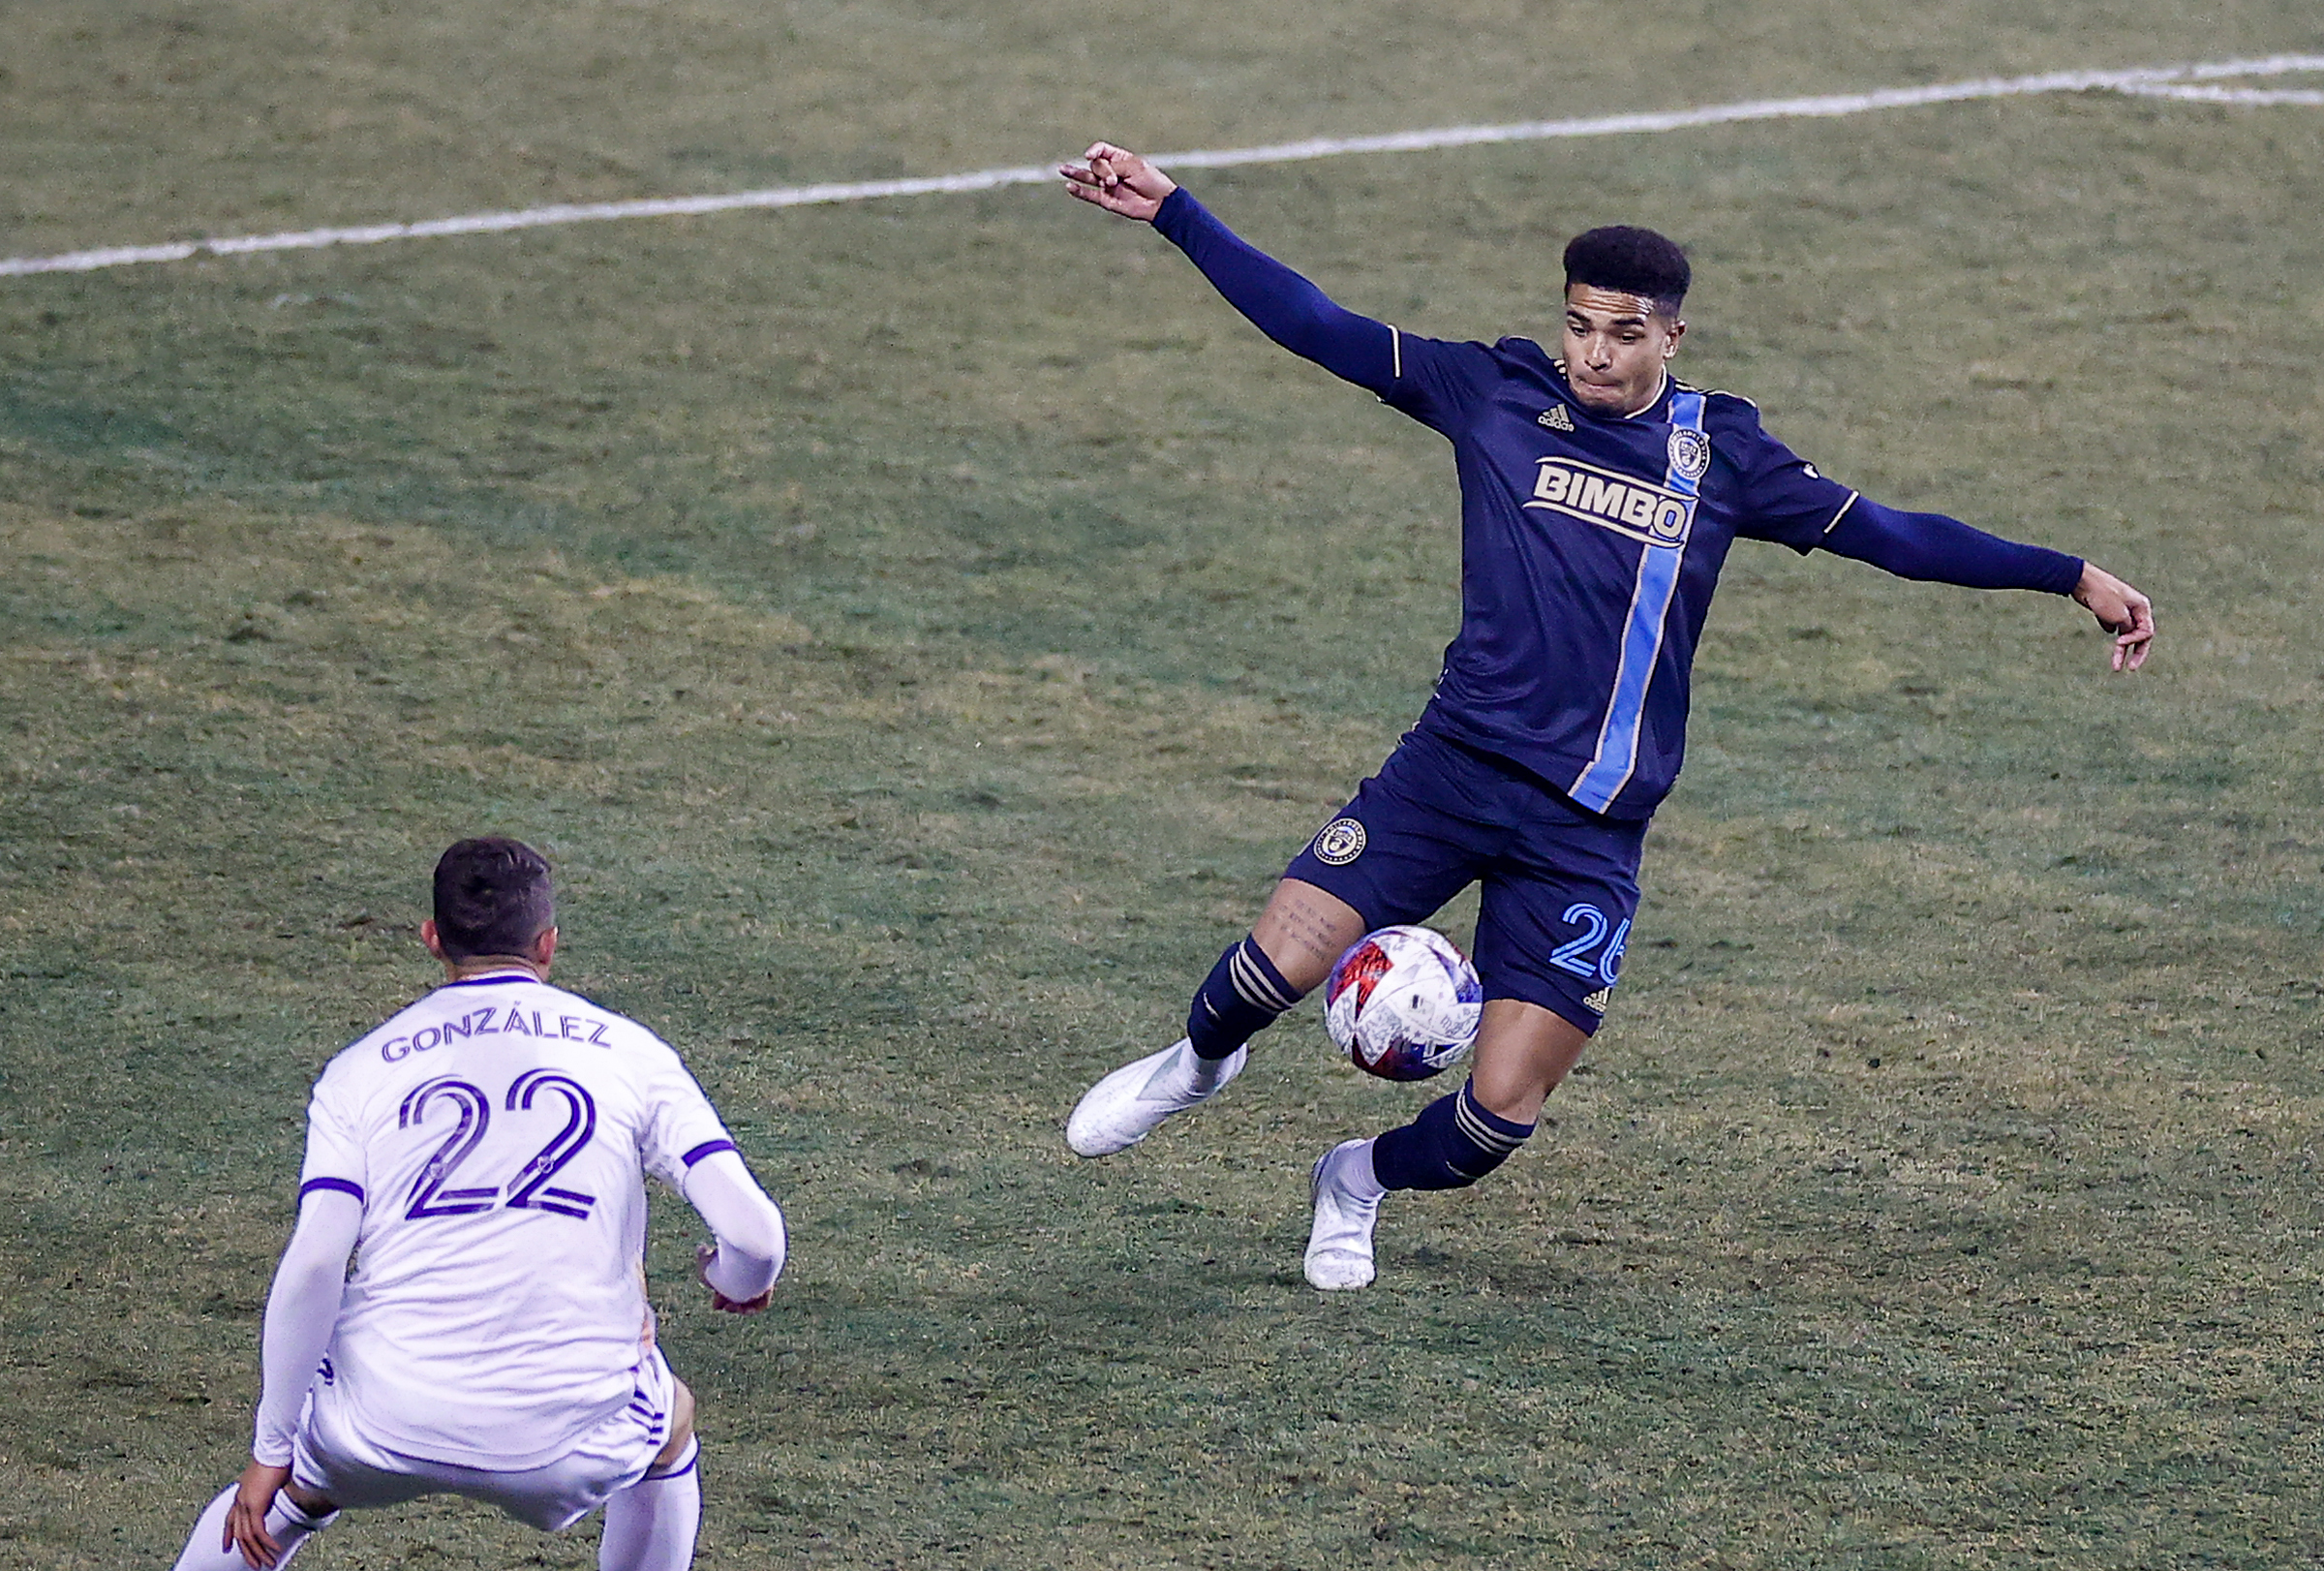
x,y
1556,419
1622,503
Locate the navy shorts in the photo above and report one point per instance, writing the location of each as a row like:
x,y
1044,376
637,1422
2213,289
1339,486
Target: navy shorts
x,y
1560,883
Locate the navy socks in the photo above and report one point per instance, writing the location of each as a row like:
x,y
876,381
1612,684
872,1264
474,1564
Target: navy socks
x,y
1241,998
1453,1143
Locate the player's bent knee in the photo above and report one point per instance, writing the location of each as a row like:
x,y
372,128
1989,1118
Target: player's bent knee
x,y
1453,1143
1524,1051
1304,930
682,1425
313,1503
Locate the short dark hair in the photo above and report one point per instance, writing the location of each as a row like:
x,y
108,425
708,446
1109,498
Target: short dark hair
x,y
1633,261
492,898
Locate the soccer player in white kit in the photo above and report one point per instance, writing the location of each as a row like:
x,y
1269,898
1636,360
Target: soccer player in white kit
x,y
483,1156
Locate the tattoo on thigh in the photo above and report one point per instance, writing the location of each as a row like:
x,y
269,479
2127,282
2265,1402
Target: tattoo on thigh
x,y
1312,932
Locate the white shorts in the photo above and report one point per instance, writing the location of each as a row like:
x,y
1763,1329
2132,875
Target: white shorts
x,y
332,1457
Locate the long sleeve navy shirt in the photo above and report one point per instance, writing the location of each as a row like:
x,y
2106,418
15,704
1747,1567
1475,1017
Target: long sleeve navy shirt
x,y
1590,544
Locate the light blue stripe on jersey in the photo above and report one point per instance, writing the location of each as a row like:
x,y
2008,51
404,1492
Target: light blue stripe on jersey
x,y
1641,640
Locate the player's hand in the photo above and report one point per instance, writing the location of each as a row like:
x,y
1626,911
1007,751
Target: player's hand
x,y
2122,611
246,1519
704,1254
1118,180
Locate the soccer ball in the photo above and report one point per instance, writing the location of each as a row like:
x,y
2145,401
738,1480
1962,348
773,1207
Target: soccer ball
x,y
1403,1003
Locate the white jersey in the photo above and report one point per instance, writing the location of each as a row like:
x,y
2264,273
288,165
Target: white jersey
x,y
496,1133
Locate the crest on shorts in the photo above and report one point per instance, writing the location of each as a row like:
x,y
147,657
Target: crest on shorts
x,y
1339,842
1690,452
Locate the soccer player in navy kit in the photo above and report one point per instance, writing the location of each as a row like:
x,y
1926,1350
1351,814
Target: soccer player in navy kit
x,y
1599,498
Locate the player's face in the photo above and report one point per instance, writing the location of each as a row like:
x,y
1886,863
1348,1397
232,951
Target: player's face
x,y
1615,345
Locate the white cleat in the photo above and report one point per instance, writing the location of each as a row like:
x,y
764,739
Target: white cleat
x,y
1130,1103
1347,1208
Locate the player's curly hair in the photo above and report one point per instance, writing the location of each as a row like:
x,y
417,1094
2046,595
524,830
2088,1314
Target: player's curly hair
x,y
1633,261
492,898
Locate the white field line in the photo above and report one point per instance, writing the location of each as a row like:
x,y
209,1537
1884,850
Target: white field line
x,y
2178,81
2229,95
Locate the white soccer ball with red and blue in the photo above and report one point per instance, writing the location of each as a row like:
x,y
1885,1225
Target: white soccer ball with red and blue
x,y
1403,1003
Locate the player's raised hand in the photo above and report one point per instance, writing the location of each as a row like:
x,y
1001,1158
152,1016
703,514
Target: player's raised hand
x,y
2122,611
1118,180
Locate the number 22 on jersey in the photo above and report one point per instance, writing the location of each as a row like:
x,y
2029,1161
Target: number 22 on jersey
x,y
432,1194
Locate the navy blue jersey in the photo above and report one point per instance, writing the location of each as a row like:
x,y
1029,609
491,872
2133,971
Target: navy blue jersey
x,y
1590,544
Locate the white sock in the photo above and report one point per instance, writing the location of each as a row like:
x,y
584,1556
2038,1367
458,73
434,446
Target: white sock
x,y
286,1524
651,1526
1206,1071
1354,1173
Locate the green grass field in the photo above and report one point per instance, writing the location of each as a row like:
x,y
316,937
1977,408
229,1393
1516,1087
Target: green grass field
x,y
920,632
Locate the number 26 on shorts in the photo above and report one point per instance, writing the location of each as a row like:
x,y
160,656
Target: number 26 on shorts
x,y
1575,954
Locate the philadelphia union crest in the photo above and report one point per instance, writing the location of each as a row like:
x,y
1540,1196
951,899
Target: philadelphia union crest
x,y
1690,454
1339,842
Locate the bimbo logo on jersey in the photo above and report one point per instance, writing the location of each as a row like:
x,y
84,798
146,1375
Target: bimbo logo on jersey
x,y
1622,503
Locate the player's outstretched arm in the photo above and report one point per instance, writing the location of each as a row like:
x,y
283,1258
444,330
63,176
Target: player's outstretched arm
x,y
1277,301
302,1308
2122,611
1930,546
752,1242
